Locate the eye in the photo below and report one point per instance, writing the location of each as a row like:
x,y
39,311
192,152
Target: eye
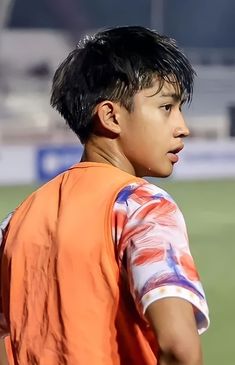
x,y
167,107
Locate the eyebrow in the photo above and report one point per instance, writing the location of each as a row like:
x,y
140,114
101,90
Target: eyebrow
x,y
176,97
182,98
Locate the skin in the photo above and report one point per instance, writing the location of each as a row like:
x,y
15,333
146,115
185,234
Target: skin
x,y
3,358
174,325
141,143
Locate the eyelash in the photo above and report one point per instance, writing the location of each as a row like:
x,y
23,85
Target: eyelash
x,y
168,107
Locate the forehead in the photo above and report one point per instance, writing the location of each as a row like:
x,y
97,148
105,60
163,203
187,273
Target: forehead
x,y
161,89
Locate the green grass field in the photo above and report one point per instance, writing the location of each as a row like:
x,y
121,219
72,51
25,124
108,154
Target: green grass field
x,y
209,210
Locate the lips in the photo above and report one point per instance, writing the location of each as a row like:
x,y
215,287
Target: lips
x,y
177,149
172,155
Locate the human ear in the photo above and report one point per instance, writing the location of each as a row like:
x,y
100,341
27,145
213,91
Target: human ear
x,y
107,117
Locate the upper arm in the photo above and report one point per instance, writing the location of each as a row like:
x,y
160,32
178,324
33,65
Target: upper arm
x,y
152,232
174,325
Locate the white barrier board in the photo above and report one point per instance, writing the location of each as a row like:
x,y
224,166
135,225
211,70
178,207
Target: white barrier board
x,y
202,159
17,165
199,160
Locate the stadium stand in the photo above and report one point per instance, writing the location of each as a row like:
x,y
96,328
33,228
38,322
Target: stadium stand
x,y
25,112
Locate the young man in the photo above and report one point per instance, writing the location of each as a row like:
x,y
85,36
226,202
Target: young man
x,y
96,267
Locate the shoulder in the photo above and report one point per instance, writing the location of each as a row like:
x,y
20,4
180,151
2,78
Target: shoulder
x,y
146,204
139,194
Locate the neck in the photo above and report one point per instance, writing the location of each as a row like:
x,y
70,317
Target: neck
x,y
105,150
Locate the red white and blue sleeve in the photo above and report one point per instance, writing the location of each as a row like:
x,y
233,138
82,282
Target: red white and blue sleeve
x,y
3,325
149,228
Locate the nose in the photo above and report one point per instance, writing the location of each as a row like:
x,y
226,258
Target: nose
x,y
181,129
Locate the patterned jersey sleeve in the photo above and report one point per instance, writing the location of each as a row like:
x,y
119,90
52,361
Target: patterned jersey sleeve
x,y
3,325
149,228
3,226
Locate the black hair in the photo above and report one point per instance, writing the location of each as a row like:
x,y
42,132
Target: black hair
x,y
114,65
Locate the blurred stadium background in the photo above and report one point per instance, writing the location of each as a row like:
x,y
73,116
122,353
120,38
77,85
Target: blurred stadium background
x,y
35,144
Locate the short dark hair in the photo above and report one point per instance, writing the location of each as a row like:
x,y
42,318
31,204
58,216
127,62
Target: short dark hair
x,y
114,65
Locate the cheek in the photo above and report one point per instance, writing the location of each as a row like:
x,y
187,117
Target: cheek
x,y
146,131
154,121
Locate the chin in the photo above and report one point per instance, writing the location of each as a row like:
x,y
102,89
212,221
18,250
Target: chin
x,y
159,173
154,171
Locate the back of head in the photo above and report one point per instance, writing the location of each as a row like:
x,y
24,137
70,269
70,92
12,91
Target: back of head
x,y
114,65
